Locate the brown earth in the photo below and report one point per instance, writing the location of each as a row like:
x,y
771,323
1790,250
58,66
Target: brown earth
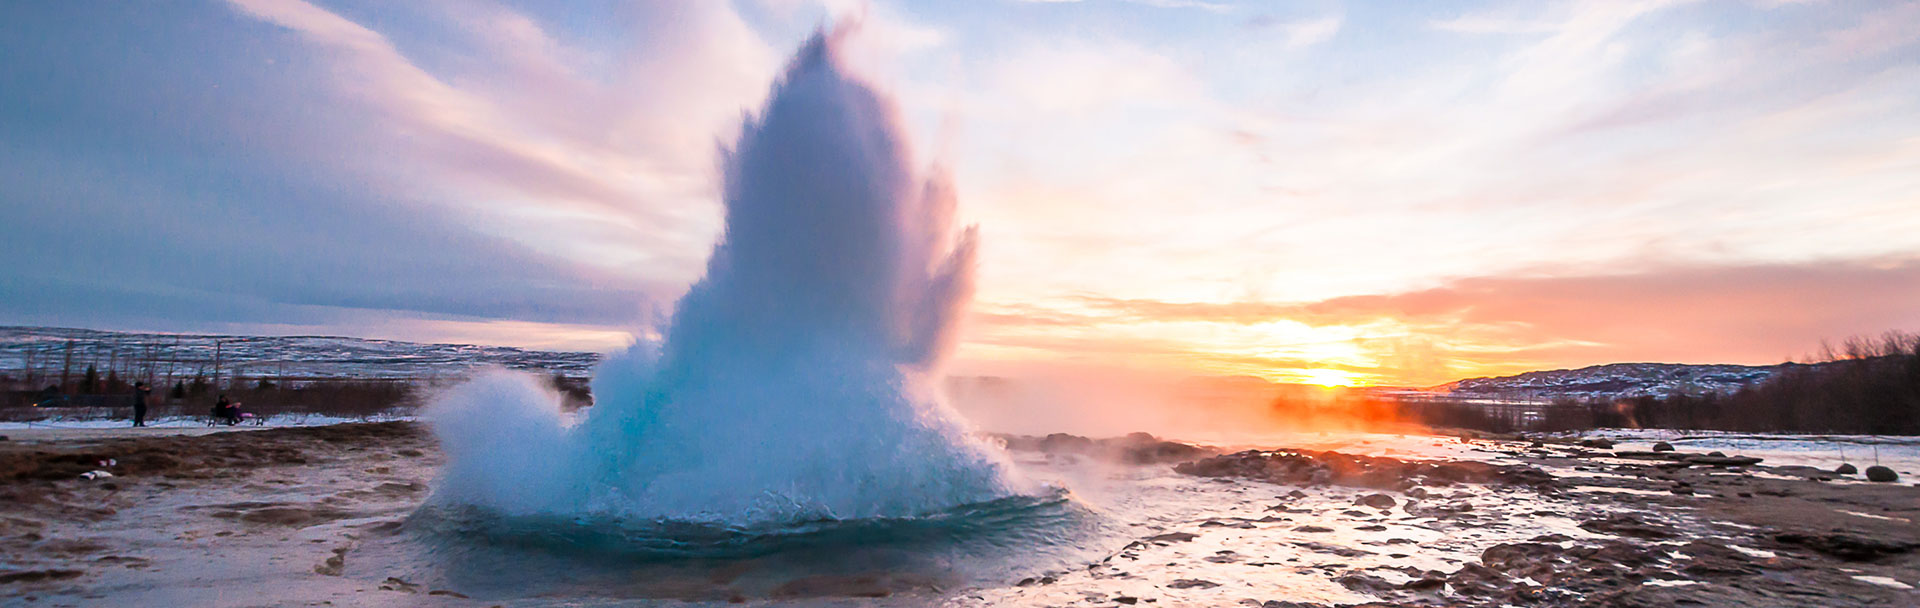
x,y
43,488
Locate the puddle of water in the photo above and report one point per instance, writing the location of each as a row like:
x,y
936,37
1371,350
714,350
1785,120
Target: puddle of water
x,y
1879,517
1884,581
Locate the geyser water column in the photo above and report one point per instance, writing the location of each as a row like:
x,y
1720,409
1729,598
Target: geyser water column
x,y
795,381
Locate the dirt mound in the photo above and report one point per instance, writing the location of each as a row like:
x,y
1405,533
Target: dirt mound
x,y
1134,448
1303,467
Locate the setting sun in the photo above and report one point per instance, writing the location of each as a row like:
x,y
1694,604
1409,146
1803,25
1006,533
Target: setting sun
x,y
1328,377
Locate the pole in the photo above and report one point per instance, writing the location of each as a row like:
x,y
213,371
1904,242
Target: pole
x,y
66,368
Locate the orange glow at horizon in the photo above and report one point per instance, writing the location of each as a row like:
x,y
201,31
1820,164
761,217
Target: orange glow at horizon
x,y
1329,378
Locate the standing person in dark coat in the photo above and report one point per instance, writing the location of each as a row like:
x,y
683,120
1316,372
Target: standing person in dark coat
x,y
140,394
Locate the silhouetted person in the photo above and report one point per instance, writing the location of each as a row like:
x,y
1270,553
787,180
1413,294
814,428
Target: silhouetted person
x,y
140,394
226,411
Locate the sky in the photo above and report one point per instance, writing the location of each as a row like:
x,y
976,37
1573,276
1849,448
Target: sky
x,y
1313,191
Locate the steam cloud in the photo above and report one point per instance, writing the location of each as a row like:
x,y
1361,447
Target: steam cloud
x,y
796,380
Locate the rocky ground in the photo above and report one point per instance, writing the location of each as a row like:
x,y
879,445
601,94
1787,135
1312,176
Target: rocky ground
x,y
1666,528
1502,523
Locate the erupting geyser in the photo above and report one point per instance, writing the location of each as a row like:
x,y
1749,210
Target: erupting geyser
x,y
795,381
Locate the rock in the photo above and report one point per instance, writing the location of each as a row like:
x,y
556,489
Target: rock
x,y
34,576
1627,525
1302,468
335,565
1662,446
1127,599
1846,546
1332,549
1313,529
870,585
394,583
1881,474
1846,468
1716,459
1192,583
1172,537
1377,501
1240,524
1365,583
1597,443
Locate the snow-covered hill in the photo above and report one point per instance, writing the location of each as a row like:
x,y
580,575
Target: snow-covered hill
x,y
1616,380
46,349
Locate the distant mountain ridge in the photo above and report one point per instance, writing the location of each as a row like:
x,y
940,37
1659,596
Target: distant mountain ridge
x,y
344,357
1615,381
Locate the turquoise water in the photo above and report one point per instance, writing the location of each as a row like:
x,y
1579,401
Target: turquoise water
x,y
542,560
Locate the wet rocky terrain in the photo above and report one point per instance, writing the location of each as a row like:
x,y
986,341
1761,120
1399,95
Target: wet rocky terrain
x,y
1650,528
287,516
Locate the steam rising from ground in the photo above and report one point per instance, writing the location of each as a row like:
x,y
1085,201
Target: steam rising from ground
x,y
795,380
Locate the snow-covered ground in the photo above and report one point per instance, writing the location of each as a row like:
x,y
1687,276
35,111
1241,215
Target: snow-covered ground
x,y
55,430
198,422
50,350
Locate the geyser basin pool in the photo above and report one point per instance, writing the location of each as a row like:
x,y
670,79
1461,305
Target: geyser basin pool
x,y
794,383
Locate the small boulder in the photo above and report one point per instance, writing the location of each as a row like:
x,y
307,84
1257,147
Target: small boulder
x,y
1881,474
1846,468
1662,447
1601,444
1377,501
1717,454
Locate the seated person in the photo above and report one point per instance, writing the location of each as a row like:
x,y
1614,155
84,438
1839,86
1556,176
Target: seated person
x,y
226,411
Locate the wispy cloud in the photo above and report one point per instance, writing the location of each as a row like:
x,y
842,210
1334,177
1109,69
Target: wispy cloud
x,y
1302,33
1487,325
1203,185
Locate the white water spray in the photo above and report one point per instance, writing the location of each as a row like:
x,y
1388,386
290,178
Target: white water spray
x,y
796,380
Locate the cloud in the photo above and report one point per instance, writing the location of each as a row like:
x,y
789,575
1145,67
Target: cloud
x,y
1198,4
533,129
1488,325
1301,34
296,166
1751,314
